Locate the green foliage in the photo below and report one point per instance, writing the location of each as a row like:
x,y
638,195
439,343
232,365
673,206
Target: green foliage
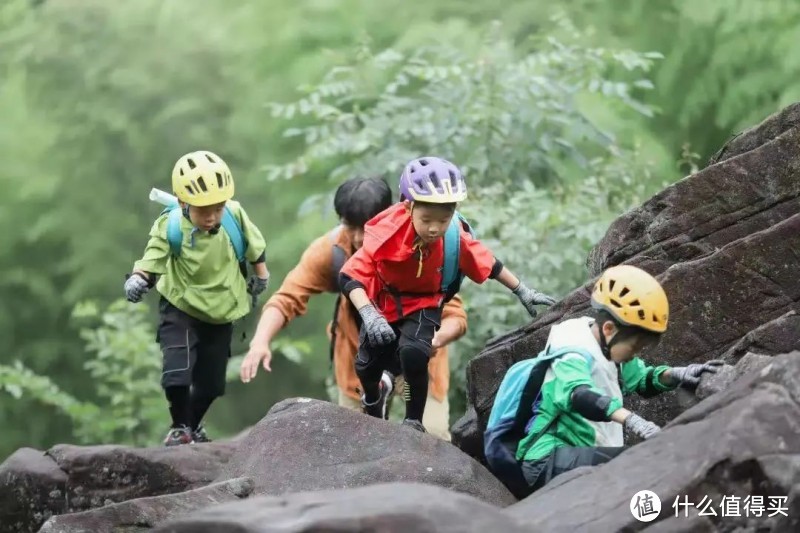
x,y
99,98
544,180
125,370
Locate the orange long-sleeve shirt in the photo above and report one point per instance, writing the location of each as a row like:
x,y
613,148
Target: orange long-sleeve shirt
x,y
314,274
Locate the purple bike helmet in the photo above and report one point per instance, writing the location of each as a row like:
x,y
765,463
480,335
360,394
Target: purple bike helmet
x,y
433,180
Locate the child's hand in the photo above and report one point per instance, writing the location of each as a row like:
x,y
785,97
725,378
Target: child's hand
x,y
379,332
531,297
689,376
254,357
256,285
641,427
136,286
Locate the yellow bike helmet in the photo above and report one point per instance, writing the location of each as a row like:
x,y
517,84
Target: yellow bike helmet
x,y
633,297
202,178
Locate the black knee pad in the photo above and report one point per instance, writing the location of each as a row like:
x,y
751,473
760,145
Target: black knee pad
x,y
413,360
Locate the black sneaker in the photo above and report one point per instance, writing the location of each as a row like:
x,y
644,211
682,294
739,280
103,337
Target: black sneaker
x,y
199,435
378,409
178,436
416,424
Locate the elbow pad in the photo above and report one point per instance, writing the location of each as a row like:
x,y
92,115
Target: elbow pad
x,y
348,284
496,269
589,404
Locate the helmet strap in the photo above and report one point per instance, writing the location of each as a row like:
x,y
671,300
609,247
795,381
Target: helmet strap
x,y
606,345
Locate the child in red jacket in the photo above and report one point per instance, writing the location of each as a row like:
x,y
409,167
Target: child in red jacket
x,y
394,281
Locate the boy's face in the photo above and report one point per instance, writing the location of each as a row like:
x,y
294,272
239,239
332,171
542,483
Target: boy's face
x,y
430,220
354,232
626,349
207,217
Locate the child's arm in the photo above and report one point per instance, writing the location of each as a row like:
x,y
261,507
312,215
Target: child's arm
x,y
152,263
479,264
255,254
454,323
360,268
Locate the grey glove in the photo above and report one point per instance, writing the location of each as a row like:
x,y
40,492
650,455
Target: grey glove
x,y
532,297
379,332
640,426
690,375
256,286
136,286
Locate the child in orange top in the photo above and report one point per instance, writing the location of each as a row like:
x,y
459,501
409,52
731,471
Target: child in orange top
x,y
394,281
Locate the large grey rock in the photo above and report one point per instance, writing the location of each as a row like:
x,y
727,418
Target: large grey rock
x,y
98,475
382,508
781,335
750,139
143,514
32,488
712,208
744,441
714,383
305,444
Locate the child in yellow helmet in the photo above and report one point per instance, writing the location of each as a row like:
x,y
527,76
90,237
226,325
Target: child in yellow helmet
x,y
579,417
202,288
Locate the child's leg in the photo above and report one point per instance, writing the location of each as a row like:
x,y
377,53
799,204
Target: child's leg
x,y
414,350
208,377
178,340
371,361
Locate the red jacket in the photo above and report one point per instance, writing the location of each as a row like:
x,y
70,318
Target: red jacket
x,y
389,258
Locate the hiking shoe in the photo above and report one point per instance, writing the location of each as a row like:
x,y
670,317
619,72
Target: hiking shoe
x,y
416,424
178,436
199,435
378,409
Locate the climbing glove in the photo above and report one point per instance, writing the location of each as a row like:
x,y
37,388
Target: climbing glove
x,y
641,427
136,286
378,330
256,286
690,375
532,297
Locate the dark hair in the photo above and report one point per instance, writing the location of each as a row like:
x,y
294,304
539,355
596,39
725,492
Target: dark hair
x,y
624,332
359,199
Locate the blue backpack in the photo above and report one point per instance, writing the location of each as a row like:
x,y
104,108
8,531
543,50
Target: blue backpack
x,y
514,412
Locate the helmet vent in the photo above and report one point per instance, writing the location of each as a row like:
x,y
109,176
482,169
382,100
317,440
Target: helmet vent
x,y
611,283
641,314
219,180
202,183
181,172
208,156
615,303
191,163
635,303
423,162
189,188
624,291
435,180
655,319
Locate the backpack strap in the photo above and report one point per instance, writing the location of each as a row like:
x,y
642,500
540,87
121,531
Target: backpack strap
x,y
452,250
229,223
174,232
336,266
234,230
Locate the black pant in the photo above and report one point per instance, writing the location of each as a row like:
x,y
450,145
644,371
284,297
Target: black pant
x,y
407,355
540,473
195,358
